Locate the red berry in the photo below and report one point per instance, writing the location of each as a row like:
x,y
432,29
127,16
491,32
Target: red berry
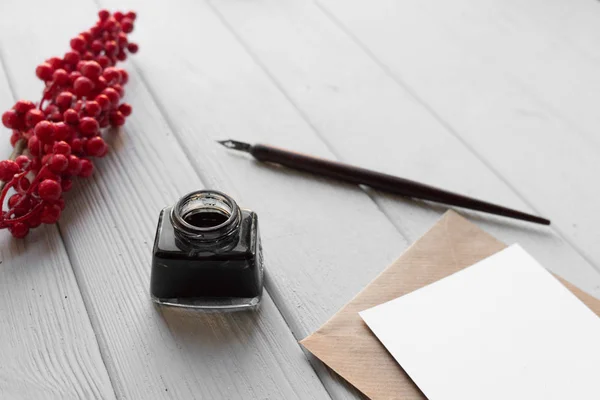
x,y
74,165
77,145
36,164
97,46
101,84
127,25
62,131
111,48
116,118
54,62
34,221
119,90
88,126
131,15
78,43
91,70
61,148
58,163
14,138
96,30
44,130
133,48
112,95
19,229
125,109
73,76
72,58
33,145
87,168
92,108
71,117
124,76
13,200
121,55
103,15
82,86
22,106
118,15
22,161
122,39
104,61
95,146
44,71
49,190
103,152
50,109
110,24
50,213
64,100
21,204
61,77
112,75
10,119
87,36
33,116
66,184
46,174
8,169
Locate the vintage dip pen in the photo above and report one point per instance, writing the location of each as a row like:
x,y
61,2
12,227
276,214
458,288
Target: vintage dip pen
x,y
375,180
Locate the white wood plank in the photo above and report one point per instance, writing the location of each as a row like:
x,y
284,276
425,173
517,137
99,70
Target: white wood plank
x,y
519,95
48,348
366,118
108,228
353,104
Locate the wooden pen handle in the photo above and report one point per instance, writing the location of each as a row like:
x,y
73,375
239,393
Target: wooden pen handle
x,y
381,181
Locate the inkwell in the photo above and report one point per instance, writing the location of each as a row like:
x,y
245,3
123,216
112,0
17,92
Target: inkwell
x,y
207,254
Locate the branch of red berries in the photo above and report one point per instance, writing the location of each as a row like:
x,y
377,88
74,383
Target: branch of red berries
x,y
54,139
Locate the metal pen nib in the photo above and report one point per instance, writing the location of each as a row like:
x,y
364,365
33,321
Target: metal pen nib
x,y
235,145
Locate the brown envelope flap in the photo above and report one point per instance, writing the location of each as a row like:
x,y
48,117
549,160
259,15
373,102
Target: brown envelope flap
x,y
347,345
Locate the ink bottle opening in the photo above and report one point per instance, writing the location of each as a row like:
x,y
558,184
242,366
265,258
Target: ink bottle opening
x,y
207,254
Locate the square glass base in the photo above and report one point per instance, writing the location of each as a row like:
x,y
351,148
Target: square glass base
x,y
212,304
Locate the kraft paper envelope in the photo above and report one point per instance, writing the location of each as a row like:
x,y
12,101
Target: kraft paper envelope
x,y
346,344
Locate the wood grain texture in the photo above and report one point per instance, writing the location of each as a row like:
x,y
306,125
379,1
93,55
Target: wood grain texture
x,y
109,226
510,81
48,348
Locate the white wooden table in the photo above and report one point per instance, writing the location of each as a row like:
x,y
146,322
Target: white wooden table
x,y
495,99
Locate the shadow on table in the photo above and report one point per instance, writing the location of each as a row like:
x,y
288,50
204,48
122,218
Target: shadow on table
x,y
489,221
486,221
215,328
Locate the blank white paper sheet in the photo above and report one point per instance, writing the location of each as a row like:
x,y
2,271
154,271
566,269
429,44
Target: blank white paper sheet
x,y
502,329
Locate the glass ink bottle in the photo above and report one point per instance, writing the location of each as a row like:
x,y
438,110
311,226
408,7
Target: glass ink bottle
x,y
207,254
